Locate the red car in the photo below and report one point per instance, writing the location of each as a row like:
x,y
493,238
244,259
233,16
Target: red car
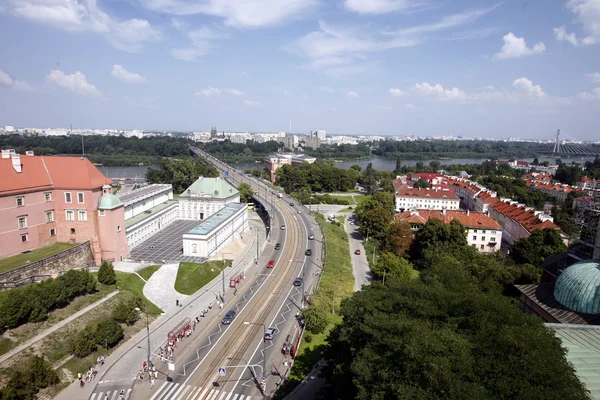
x,y
357,252
271,264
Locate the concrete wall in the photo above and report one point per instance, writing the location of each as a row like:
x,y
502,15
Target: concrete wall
x,y
76,257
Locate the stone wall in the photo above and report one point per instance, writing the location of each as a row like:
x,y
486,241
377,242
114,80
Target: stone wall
x,y
76,257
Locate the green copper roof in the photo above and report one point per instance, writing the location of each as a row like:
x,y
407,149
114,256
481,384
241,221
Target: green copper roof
x,y
109,202
578,287
216,188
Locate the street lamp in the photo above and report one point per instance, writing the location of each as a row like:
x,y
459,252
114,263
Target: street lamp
x,y
264,352
147,330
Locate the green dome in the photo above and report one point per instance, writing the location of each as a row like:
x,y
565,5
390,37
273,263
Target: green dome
x,y
578,287
109,202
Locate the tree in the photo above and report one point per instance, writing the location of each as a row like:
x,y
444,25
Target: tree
x,y
125,312
106,273
422,183
437,236
435,165
398,169
540,244
315,320
108,332
356,167
245,192
84,343
392,266
401,237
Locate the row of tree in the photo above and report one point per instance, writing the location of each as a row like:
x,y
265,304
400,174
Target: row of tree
x,y
342,151
181,173
33,302
25,383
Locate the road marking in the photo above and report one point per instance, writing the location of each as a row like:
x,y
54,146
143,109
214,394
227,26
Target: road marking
x,y
93,396
159,390
181,391
229,395
114,396
213,393
194,392
235,397
204,392
222,395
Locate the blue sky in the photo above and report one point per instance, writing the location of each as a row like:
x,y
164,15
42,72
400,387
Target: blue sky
x,y
392,67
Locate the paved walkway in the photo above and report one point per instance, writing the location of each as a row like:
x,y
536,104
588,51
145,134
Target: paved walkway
x,y
55,327
360,265
160,288
123,363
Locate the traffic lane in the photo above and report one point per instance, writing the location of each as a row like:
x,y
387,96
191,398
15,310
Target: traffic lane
x,y
360,265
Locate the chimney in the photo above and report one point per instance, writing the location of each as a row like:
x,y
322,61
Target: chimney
x,y
16,163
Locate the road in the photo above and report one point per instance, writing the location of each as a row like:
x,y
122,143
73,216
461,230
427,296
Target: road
x,y
268,299
360,265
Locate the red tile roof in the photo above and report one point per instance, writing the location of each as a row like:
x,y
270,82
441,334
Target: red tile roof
x,y
554,187
523,215
404,190
49,172
472,219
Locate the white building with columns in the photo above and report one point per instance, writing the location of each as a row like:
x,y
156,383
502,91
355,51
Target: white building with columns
x,y
216,231
205,197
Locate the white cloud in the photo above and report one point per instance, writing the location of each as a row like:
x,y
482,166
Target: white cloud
x,y
594,77
237,13
397,92
438,92
527,87
9,82
352,95
201,42
587,13
515,47
410,107
326,89
211,91
76,82
382,6
590,96
251,103
85,15
121,73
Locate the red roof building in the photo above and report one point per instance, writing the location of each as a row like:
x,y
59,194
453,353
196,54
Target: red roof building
x,y
408,198
51,199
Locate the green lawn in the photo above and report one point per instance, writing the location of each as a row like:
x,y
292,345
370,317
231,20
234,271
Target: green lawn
x,y
147,272
192,276
10,263
133,284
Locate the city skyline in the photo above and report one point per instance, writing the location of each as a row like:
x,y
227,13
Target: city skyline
x,y
355,67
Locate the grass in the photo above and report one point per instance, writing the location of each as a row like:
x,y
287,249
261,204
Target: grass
x,y
10,263
192,276
135,285
147,272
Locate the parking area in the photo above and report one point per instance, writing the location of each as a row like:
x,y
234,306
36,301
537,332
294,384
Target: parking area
x,y
166,245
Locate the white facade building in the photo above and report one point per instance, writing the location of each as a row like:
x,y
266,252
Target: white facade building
x,y
217,231
145,198
409,198
205,197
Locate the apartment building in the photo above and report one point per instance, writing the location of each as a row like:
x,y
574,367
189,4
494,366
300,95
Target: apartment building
x,y
408,198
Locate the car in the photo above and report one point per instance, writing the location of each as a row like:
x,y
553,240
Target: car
x,y
278,246
308,252
283,227
271,264
292,204
298,282
351,222
299,212
357,252
228,318
270,332
311,237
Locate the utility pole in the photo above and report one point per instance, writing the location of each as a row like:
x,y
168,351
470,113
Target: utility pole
x,y
223,274
374,251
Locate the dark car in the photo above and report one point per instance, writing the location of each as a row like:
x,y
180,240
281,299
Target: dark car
x,y
298,282
292,204
228,318
278,246
308,252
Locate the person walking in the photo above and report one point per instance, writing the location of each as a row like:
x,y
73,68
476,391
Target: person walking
x,y
151,382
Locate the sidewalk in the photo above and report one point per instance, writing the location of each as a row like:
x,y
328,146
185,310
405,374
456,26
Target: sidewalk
x,y
55,327
122,365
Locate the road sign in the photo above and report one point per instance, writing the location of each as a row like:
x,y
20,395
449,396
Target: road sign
x,y
222,372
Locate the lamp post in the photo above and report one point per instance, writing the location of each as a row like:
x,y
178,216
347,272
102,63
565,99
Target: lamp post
x,y
147,331
264,351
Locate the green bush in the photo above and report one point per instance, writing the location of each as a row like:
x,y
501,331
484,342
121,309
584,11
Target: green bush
x,y
125,311
315,320
308,338
108,332
84,343
106,274
24,384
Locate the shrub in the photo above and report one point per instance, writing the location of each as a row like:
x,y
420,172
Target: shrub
x,y
125,311
24,384
84,343
106,274
315,320
108,332
308,337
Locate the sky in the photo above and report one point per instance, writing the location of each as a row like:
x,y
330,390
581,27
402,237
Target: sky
x,y
477,68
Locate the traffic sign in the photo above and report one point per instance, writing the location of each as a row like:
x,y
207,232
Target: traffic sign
x,y
222,372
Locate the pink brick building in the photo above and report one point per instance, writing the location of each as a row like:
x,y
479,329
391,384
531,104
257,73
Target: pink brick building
x,y
50,199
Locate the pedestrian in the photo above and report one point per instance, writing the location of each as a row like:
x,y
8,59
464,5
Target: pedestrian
x,y
151,382
79,375
101,360
98,361
221,306
177,303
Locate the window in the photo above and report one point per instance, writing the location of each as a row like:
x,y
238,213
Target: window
x,y
67,197
483,231
482,247
118,228
69,215
80,198
82,215
473,245
474,230
47,197
24,238
49,216
72,231
474,237
22,222
20,201
492,239
483,238
102,213
52,232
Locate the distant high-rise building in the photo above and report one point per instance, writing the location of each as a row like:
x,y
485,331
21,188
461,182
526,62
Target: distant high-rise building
x,y
321,134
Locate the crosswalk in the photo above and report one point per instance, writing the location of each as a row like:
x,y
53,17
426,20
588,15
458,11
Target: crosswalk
x,y
177,391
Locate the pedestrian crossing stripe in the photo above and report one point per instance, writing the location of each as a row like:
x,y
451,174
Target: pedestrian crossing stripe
x,y
177,391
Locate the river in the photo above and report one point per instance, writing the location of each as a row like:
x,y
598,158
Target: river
x,y
380,163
